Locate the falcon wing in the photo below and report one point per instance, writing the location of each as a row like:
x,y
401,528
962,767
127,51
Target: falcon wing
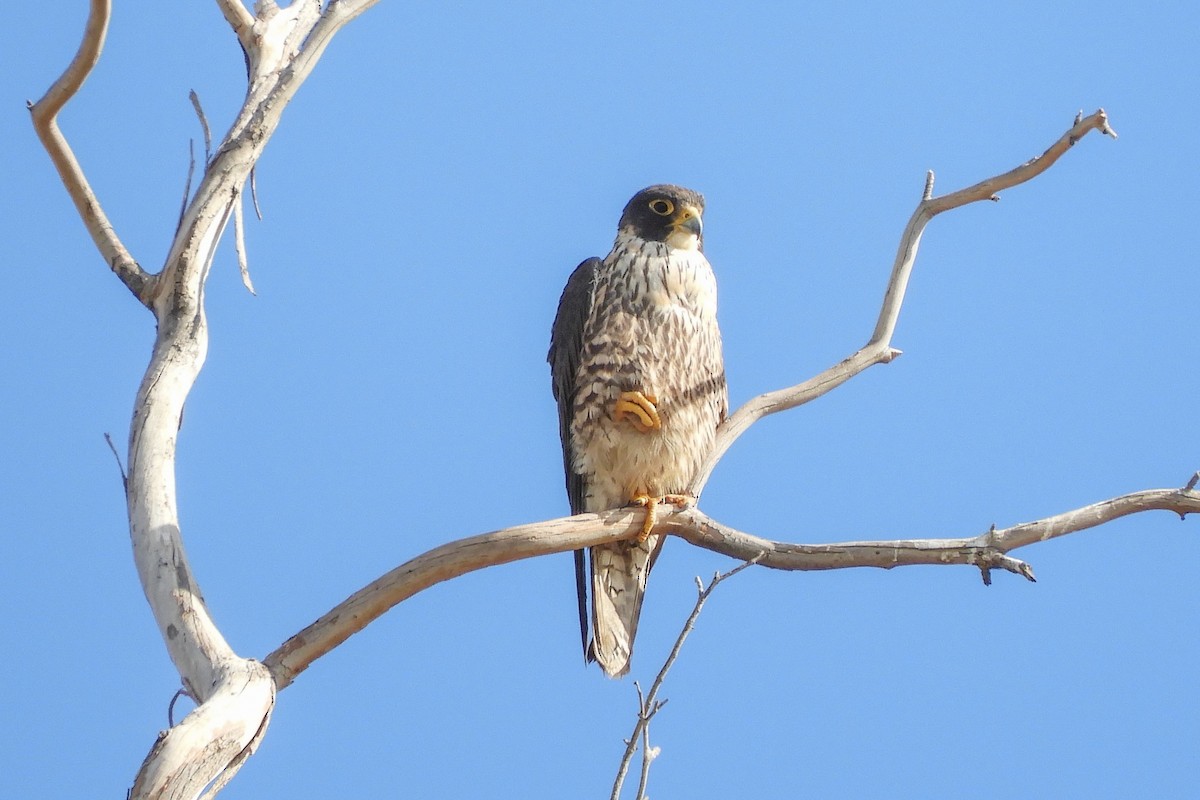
x,y
566,344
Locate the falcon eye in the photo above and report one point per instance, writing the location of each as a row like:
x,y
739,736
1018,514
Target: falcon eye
x,y
662,207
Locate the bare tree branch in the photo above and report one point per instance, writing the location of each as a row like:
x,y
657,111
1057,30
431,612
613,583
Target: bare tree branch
x,y
45,122
442,564
195,98
194,754
254,194
879,350
235,695
181,692
650,705
117,456
187,184
631,746
240,19
648,753
986,551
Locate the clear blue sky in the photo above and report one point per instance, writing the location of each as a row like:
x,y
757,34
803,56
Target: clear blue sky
x,y
425,198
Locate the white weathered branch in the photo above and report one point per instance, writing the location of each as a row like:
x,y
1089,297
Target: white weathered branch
x,y
240,19
235,694
212,743
986,552
879,350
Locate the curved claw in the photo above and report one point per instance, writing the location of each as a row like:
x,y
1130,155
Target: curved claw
x,y
680,501
641,410
650,504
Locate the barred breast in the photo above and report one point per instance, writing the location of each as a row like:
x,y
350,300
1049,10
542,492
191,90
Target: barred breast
x,y
653,328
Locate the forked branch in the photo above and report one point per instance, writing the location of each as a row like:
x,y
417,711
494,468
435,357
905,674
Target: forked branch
x,y
879,350
649,704
235,694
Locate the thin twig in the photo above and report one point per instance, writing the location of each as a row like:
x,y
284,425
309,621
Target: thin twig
x,y
195,98
187,184
239,243
180,692
643,713
254,192
650,706
630,749
117,456
648,755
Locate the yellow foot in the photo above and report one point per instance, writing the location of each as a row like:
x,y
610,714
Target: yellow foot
x,y
680,501
640,409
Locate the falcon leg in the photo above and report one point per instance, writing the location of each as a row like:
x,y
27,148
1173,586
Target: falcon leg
x,y
650,504
640,409
680,501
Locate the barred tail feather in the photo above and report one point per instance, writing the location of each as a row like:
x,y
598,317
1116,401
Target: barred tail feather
x,y
619,574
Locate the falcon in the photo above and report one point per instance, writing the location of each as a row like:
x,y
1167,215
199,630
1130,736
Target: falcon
x,y
636,368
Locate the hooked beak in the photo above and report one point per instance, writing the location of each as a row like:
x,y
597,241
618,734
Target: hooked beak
x,y
689,221
686,229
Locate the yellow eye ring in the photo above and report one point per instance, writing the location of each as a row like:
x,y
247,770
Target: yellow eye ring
x,y
662,207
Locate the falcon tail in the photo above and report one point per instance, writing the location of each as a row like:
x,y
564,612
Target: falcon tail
x,y
618,585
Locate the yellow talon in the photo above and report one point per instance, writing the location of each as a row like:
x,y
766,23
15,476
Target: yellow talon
x,y
680,501
650,504
640,409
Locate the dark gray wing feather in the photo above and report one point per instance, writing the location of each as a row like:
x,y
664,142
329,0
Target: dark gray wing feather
x,y
566,345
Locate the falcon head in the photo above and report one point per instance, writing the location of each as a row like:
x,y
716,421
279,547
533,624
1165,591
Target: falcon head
x,y
665,213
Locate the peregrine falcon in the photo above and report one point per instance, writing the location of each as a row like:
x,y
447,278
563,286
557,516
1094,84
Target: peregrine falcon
x,y
636,368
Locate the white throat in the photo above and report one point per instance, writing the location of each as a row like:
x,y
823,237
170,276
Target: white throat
x,y
683,240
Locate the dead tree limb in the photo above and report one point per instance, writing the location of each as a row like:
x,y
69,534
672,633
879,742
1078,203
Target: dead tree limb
x,y
878,349
45,122
986,551
649,704
235,695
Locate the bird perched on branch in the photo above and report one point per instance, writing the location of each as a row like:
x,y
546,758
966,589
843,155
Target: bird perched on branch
x,y
636,368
